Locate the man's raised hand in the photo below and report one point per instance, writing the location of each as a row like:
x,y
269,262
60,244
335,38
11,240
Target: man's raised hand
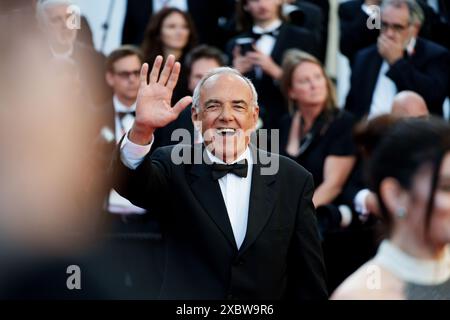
x,y
153,109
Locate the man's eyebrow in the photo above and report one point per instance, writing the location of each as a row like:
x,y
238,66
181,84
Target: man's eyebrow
x,y
213,101
239,102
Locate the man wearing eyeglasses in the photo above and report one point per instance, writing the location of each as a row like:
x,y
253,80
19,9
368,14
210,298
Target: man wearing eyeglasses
x,y
122,75
400,60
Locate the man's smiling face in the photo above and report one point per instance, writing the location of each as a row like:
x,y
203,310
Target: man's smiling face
x,y
227,114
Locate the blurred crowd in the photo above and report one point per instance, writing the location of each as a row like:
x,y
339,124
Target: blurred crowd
x,y
380,162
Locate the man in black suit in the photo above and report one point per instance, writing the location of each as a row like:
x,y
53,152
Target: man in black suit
x,y
258,52
356,35
234,227
400,61
309,16
210,18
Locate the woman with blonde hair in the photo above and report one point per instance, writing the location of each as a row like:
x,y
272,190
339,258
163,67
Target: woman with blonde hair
x,y
316,134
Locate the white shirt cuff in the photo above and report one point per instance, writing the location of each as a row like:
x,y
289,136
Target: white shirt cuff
x,y
367,9
133,154
360,202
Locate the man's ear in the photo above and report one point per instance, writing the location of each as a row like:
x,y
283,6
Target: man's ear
x,y
109,78
255,114
195,116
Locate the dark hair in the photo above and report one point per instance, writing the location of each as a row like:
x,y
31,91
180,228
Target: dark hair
x,y
152,45
244,20
122,52
204,51
398,148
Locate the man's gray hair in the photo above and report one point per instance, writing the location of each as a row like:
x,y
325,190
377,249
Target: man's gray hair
x,y
219,71
416,15
41,5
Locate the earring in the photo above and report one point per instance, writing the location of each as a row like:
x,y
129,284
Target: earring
x,y
400,213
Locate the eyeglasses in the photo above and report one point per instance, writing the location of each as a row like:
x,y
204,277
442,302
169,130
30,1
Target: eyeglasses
x,y
126,74
397,28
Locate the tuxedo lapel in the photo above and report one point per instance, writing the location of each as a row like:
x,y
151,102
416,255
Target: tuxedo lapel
x,y
207,192
371,73
277,50
262,201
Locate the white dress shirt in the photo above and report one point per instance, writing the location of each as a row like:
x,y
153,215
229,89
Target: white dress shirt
x,y
124,124
265,43
117,203
383,95
385,88
235,190
180,4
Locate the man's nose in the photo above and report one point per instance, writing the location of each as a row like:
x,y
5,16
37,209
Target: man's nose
x,y
226,114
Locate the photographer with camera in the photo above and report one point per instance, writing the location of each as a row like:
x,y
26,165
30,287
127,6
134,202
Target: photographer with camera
x,y
257,52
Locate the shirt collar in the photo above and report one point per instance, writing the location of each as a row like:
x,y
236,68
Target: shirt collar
x,y
120,107
410,48
271,27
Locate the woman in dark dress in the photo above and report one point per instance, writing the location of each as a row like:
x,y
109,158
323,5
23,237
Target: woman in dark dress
x,y
316,134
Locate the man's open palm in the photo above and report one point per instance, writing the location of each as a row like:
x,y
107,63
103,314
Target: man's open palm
x,y
153,109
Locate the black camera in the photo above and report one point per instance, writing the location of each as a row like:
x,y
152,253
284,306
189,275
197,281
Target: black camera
x,y
246,45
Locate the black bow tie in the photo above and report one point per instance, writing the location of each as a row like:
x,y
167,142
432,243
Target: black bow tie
x,y
273,33
121,114
220,170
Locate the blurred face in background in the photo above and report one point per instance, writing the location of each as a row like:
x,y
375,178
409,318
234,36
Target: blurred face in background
x,y
308,85
175,32
199,69
396,26
55,24
263,10
124,79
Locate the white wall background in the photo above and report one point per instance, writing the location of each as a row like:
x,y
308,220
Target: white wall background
x,y
96,12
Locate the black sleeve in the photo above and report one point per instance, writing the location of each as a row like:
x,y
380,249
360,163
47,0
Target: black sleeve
x,y
148,185
341,134
431,82
354,34
306,269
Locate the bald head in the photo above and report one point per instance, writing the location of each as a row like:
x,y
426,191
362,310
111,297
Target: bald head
x,y
409,104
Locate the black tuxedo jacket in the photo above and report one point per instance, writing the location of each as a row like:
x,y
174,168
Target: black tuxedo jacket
x,y
281,255
270,98
205,14
425,72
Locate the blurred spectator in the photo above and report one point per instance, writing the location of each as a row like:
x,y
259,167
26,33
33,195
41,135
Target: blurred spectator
x,y
318,135
400,61
354,16
123,67
59,26
211,18
409,173
170,31
46,177
258,51
409,104
309,16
